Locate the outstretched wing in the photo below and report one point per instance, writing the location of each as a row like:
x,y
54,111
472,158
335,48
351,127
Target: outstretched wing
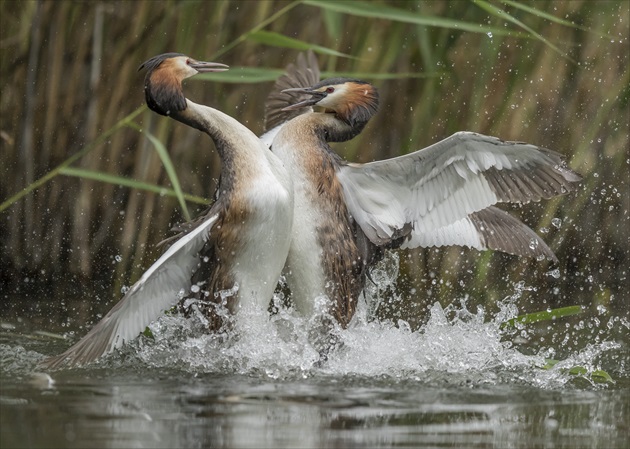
x,y
159,289
436,189
304,73
490,228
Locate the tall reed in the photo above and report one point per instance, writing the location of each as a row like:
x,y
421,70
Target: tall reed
x,y
552,73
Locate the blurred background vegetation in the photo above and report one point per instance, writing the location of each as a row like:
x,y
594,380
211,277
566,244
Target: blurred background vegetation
x,y
551,73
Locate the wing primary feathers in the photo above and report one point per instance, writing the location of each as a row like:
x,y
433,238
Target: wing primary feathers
x,y
451,180
502,232
156,291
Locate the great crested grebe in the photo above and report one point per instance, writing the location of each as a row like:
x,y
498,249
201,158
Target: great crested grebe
x,y
346,214
240,244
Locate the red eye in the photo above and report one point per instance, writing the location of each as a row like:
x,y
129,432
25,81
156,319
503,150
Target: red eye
x,y
330,90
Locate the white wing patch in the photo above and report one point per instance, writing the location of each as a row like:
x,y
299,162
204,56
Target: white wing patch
x,y
437,187
461,233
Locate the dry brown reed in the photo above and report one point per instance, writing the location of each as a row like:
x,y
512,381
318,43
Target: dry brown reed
x,y
68,73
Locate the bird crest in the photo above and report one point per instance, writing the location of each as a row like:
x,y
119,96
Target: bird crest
x,y
163,81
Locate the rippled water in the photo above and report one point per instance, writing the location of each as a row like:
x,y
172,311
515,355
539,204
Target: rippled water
x,y
458,381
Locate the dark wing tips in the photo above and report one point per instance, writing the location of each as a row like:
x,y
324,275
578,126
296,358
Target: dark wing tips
x,y
53,363
92,346
559,164
304,73
538,174
74,356
544,177
501,232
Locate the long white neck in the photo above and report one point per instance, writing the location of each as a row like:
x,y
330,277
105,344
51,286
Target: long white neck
x,y
260,196
240,149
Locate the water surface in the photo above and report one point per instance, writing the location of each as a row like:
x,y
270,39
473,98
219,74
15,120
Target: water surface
x,y
458,381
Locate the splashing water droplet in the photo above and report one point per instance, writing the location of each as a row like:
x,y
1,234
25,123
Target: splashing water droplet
x,y
554,273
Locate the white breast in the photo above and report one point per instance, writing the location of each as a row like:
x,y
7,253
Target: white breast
x,y
304,270
267,236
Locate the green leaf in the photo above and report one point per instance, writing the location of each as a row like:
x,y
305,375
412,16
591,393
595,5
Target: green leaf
x,y
170,170
381,11
127,182
147,333
258,27
382,76
333,22
240,75
279,40
539,13
124,122
602,376
597,375
498,12
552,18
544,315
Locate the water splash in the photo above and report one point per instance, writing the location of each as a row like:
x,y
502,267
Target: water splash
x,y
455,343
381,285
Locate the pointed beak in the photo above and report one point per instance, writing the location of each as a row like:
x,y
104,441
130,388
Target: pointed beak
x,y
316,97
203,67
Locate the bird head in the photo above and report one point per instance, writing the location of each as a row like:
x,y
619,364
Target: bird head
x,y
353,101
163,81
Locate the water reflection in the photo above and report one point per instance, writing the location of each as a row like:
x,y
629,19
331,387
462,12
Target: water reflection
x,y
104,409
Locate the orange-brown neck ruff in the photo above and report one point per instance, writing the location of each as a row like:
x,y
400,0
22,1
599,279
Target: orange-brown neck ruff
x,y
355,107
163,88
358,105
